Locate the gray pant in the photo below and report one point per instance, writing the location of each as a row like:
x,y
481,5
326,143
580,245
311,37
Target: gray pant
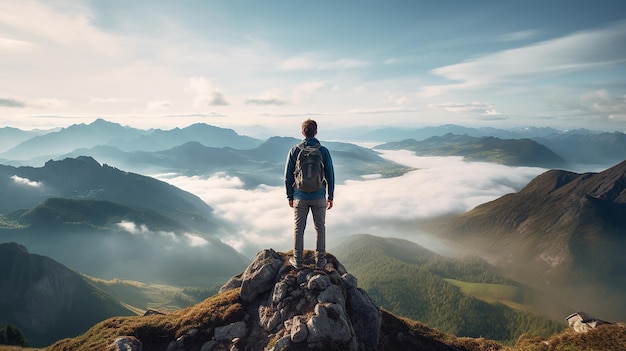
x,y
301,211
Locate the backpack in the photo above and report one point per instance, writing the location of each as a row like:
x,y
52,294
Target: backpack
x,y
309,170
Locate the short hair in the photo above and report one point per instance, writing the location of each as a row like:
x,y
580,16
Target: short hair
x,y
309,128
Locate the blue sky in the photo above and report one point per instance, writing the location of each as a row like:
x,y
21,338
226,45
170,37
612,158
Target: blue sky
x,y
168,64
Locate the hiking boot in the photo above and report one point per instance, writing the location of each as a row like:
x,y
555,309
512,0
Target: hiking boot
x,y
320,263
297,265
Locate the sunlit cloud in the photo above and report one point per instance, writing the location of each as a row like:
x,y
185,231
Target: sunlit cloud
x,y
205,93
133,228
26,181
580,51
196,241
261,217
473,107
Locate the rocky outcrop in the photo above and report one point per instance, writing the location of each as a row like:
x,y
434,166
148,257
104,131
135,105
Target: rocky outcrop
x,y
316,308
287,309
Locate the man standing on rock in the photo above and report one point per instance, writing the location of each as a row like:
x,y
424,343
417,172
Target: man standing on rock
x,y
309,175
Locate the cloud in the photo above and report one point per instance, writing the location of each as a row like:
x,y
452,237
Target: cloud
x,y
7,102
315,62
305,90
480,108
261,217
7,44
520,35
206,95
109,100
26,181
158,105
270,97
580,51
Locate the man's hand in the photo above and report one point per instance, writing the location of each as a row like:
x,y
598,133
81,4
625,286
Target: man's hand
x,y
291,203
329,204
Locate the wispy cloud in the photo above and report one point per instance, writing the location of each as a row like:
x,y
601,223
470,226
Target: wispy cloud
x,y
580,51
480,108
269,97
7,102
158,105
316,62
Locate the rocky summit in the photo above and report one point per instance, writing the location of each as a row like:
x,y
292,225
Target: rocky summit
x,y
287,309
317,308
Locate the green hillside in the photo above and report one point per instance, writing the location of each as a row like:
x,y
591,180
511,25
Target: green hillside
x,y
447,294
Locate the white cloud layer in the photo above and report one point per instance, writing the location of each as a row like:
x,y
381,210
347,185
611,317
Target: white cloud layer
x,y
26,181
261,217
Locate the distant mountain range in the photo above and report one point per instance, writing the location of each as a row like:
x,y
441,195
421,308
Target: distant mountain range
x,y
512,152
564,231
122,146
101,132
47,301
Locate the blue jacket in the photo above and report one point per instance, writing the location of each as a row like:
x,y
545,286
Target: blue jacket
x,y
329,174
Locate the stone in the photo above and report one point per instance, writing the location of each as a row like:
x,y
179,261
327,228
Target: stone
x,y
365,316
329,324
332,294
127,343
260,276
318,282
231,331
299,330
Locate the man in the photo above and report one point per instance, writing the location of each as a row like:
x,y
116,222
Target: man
x,y
314,200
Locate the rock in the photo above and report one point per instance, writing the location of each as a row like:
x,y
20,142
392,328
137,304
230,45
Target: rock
x,y
260,276
365,316
299,330
329,324
127,343
318,282
209,346
231,331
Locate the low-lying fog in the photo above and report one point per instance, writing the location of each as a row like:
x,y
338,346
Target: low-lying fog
x,y
261,218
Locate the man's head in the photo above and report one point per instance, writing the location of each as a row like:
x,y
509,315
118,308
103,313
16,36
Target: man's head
x,y
309,128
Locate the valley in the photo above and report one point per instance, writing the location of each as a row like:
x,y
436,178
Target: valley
x,y
159,220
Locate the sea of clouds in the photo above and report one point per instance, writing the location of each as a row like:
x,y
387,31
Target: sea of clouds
x,y
261,218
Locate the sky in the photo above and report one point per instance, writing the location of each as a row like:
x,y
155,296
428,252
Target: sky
x,y
272,63
261,218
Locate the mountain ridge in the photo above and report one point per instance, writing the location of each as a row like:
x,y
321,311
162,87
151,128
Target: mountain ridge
x,y
38,294
562,229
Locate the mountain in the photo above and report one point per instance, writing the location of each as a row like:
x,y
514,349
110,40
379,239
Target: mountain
x,y
460,296
105,239
204,134
84,178
104,133
512,152
588,148
70,138
390,134
264,164
271,306
9,137
46,300
564,232
114,224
